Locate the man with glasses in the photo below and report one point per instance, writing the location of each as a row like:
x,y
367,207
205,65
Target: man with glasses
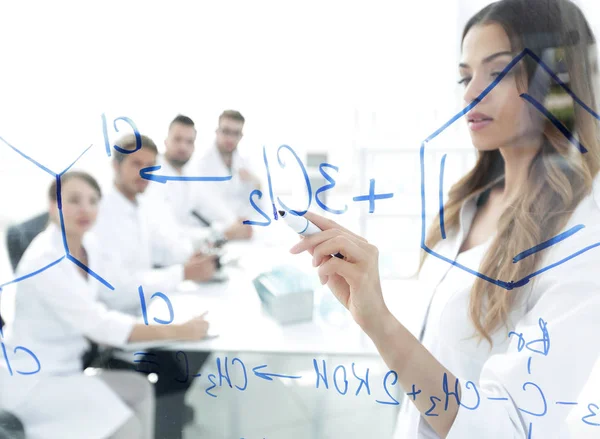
x,y
224,159
198,214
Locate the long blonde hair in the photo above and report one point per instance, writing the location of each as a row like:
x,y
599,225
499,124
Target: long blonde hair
x,y
559,175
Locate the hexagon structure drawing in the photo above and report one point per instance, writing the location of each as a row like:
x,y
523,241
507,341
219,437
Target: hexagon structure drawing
x,y
508,285
67,254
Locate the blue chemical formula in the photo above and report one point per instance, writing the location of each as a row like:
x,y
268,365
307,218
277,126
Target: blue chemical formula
x,y
354,380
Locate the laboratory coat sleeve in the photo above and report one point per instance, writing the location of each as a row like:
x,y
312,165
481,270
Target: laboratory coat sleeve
x,y
127,282
79,310
127,270
550,358
168,240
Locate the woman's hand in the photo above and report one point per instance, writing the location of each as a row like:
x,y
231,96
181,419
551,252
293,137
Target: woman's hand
x,y
200,268
194,329
354,280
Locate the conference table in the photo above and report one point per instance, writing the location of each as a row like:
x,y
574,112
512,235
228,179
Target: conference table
x,y
238,323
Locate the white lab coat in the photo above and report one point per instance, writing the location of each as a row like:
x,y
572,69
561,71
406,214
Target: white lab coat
x,y
567,297
232,194
55,311
183,197
135,238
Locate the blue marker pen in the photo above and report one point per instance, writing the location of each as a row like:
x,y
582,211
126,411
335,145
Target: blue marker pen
x,y
302,226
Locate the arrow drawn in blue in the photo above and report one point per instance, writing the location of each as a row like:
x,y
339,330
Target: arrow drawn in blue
x,y
269,376
146,174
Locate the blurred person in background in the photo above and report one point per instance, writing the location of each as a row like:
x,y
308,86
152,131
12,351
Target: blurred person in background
x,y
58,317
143,235
200,215
148,249
223,158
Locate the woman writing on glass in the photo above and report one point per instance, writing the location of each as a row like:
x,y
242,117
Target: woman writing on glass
x,y
56,314
483,364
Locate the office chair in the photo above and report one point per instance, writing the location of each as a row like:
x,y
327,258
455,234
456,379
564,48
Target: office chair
x,y
19,236
10,426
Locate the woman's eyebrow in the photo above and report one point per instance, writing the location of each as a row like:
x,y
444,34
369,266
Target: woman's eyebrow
x,y
489,58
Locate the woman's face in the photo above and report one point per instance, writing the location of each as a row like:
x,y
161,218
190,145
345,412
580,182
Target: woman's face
x,y
79,206
502,116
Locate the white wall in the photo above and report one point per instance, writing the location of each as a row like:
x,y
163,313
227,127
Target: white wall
x,y
336,76
297,72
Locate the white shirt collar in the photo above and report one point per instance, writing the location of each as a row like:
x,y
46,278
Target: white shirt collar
x,y
55,243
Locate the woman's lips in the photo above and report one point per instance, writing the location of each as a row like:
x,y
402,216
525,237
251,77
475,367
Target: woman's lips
x,y
477,125
478,121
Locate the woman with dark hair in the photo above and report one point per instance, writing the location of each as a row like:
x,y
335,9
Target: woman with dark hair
x,y
56,315
501,345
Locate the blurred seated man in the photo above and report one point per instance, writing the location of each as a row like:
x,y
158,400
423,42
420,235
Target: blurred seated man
x,y
223,158
136,236
200,216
